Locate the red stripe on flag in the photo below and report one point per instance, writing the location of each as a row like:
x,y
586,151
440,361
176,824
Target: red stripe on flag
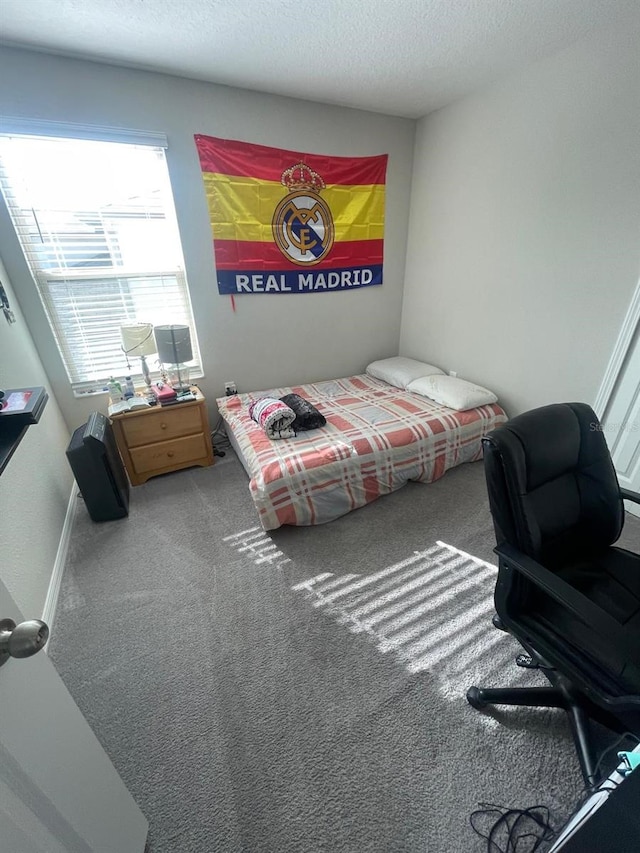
x,y
246,255
231,157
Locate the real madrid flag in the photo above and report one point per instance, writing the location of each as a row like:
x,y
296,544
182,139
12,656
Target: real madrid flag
x,y
286,222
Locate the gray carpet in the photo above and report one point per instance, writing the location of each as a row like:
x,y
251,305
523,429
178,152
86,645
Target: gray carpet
x,y
303,690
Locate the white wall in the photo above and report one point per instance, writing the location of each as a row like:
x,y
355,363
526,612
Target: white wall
x,y
270,340
36,484
524,241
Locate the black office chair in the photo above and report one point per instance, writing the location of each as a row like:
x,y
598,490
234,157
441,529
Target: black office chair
x,y
563,590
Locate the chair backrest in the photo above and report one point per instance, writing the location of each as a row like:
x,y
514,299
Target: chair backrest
x,y
553,490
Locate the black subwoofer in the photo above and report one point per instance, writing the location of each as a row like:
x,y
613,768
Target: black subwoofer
x,y
98,469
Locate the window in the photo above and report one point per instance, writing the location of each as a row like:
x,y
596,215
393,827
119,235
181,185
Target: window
x,y
98,229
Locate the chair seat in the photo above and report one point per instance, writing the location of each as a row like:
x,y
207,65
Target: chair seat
x,y
610,579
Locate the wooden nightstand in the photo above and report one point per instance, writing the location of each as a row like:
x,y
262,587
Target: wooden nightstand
x,y
161,439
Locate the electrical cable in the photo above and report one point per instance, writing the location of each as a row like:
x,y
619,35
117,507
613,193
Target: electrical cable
x,y
220,439
532,824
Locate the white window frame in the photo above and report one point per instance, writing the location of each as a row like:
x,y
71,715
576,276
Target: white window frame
x,y
12,127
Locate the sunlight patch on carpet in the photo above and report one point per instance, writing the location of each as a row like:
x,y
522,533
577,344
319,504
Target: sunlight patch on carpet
x,y
432,610
255,544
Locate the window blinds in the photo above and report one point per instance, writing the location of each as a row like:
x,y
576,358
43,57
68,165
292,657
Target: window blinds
x,y
97,226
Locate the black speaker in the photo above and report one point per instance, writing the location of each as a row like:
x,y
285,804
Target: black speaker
x,y
98,469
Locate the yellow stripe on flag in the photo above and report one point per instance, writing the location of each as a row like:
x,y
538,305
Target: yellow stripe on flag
x,y
242,208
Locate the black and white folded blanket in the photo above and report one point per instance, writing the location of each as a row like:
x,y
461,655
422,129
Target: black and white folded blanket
x,y
307,416
274,416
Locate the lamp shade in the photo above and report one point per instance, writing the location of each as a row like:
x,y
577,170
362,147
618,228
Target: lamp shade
x,y
173,343
137,339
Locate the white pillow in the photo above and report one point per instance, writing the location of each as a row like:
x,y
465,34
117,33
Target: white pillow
x,y
452,392
400,371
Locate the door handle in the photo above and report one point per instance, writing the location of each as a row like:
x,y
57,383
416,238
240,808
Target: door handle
x,y
23,640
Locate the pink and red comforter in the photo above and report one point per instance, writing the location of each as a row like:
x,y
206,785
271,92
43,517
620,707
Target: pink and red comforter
x,y
377,438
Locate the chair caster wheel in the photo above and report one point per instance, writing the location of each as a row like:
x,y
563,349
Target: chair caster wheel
x,y
474,698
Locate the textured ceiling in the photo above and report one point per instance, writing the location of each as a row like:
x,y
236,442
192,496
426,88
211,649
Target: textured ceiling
x,y
402,57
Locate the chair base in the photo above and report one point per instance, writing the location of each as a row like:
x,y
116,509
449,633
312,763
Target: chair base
x,y
559,695
531,697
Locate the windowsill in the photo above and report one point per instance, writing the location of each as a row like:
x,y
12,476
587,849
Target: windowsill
x,y
81,394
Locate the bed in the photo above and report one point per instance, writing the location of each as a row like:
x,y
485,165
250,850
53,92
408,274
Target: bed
x,y
377,438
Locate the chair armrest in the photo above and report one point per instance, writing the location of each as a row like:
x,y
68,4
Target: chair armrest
x,y
574,601
628,495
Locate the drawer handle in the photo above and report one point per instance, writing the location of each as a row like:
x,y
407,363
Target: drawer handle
x,y
170,454
163,426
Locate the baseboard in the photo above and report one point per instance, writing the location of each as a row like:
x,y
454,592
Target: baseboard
x,y
51,601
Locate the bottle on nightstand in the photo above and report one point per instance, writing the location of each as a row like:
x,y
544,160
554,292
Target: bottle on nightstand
x,y
115,390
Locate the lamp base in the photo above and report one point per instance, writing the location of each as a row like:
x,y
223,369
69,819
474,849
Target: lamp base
x,y
178,375
145,372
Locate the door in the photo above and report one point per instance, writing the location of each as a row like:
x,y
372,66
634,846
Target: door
x,y
59,792
621,422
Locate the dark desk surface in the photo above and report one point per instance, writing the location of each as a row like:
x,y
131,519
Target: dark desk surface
x,y
14,426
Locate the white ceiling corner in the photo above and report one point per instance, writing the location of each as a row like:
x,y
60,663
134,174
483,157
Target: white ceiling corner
x,y
400,57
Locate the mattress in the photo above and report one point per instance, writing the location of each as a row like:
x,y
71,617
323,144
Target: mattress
x,y
376,439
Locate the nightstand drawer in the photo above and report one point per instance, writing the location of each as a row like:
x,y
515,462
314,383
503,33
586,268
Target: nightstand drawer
x,y
169,454
161,424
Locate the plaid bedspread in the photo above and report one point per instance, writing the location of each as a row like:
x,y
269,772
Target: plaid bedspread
x,y
377,438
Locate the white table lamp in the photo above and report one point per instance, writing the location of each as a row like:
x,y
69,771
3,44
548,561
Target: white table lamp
x,y
138,339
